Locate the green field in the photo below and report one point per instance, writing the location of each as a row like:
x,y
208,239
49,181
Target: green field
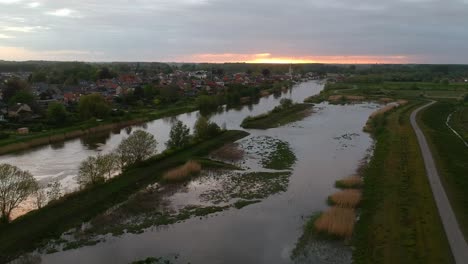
x,y
277,117
29,231
399,221
399,89
460,121
450,153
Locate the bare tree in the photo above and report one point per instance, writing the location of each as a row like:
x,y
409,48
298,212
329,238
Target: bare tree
x,y
96,169
41,198
139,146
55,191
90,172
108,164
15,186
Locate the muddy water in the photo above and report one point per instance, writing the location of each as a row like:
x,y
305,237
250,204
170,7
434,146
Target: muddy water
x,y
328,145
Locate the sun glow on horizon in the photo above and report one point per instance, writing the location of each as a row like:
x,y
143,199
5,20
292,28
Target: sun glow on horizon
x,y
268,58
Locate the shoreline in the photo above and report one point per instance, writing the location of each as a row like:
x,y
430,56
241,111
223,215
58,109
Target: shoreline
x,y
62,135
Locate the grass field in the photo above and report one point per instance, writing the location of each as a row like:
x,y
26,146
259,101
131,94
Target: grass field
x,y
277,117
399,221
29,231
460,121
450,153
394,90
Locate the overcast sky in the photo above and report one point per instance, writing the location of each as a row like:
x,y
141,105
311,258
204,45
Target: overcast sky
x,y
348,31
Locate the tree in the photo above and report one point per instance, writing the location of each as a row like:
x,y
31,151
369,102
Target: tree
x,y
15,186
266,72
109,164
179,135
41,198
23,97
149,91
286,103
12,87
90,173
55,191
56,113
96,169
105,73
139,146
204,129
93,106
169,93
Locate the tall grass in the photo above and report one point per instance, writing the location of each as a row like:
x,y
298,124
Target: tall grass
x,y
336,221
350,182
229,152
183,172
346,198
383,110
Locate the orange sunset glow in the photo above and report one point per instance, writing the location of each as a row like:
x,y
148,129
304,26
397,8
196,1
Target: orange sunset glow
x,y
278,59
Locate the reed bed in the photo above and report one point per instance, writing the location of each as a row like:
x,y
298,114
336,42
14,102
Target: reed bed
x,y
346,198
351,182
230,152
336,221
383,110
386,100
183,172
402,102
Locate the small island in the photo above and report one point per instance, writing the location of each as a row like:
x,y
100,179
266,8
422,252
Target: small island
x,y
286,112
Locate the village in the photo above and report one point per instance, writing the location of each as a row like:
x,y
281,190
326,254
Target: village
x,y
25,99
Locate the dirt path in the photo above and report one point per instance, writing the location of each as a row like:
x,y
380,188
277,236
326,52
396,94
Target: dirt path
x,y
455,237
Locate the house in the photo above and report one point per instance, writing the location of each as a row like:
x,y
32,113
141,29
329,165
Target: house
x,y
20,111
23,131
70,97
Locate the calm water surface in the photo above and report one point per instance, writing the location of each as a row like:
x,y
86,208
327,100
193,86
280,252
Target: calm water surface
x,y
329,145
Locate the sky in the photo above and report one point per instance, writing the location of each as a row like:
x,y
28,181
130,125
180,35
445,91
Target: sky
x,y
278,31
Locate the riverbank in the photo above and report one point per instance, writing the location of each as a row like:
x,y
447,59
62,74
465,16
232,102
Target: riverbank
x,y
278,117
35,228
399,221
450,154
23,142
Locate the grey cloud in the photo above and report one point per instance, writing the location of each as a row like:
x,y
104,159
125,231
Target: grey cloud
x,y
427,30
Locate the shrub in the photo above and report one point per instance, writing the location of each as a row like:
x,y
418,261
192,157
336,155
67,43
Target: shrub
x,y
4,135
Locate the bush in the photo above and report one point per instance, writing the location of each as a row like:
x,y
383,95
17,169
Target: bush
x,y
4,135
56,113
205,129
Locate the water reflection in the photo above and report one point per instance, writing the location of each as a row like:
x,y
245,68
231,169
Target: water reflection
x,y
63,159
265,232
95,140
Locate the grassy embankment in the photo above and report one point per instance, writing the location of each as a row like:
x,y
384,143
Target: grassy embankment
x,y
394,90
459,121
450,154
399,221
277,117
36,227
17,142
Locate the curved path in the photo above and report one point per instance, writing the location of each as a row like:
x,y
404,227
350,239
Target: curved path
x,y
455,237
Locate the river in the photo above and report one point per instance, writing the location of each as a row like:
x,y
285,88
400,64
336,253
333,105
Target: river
x,y
329,145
